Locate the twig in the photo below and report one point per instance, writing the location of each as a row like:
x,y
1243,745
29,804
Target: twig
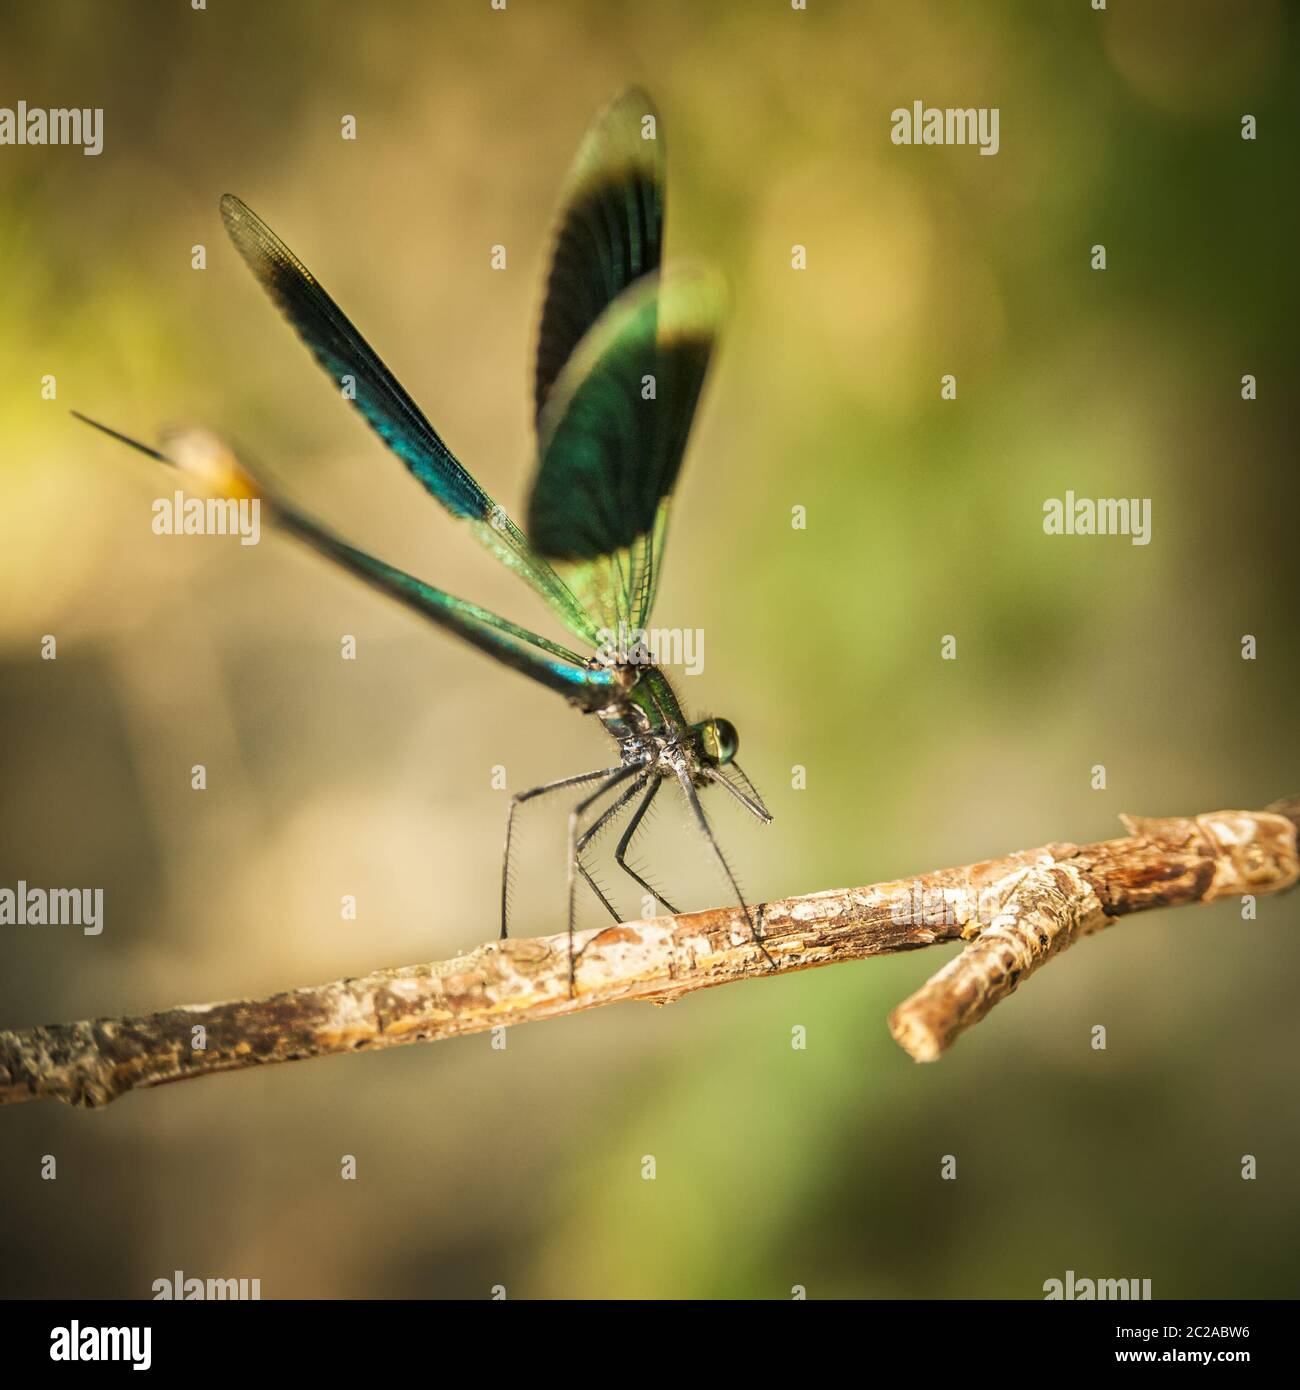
x,y
1016,913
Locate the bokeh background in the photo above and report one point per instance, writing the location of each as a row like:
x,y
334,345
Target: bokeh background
x,y
775,1167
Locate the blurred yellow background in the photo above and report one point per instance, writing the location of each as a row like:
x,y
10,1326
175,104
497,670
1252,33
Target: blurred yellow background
x,y
775,1167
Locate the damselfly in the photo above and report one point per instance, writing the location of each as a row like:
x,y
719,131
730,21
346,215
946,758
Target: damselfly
x,y
623,350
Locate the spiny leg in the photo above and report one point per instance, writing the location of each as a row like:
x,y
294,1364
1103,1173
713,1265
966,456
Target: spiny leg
x,y
703,821
619,776
621,852
518,800
752,803
601,821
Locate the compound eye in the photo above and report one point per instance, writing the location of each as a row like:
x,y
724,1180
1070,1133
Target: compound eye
x,y
720,740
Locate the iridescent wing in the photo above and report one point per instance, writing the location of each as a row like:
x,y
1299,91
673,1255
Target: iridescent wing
x,y
545,661
621,358
609,231
385,405
611,439
213,468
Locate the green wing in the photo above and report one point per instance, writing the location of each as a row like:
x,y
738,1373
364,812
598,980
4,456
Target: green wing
x,y
611,438
621,359
609,231
532,655
212,466
344,353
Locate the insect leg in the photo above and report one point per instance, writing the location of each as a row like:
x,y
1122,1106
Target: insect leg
x,y
518,800
606,816
620,854
753,804
619,775
702,820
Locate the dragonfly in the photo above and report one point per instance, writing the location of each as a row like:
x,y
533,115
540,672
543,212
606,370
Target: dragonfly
x,y
623,350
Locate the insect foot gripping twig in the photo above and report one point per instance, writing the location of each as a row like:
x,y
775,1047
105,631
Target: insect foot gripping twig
x,y
1015,912
1034,913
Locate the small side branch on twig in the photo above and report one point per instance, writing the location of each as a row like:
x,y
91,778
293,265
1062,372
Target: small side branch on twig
x,y
1015,913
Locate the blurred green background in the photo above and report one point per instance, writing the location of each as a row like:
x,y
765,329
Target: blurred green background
x,y
775,1167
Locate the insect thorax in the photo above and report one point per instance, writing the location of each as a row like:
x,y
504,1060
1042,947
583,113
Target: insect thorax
x,y
646,721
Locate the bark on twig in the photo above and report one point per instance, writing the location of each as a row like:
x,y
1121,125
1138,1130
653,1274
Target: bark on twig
x,y
1015,912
